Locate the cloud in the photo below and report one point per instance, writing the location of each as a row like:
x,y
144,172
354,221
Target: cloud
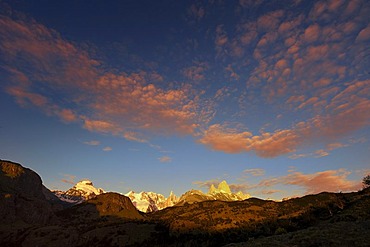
x,y
196,72
297,156
133,136
364,34
196,12
256,172
92,143
165,159
312,183
207,184
103,101
69,179
314,68
107,149
335,145
221,36
312,33
330,180
321,153
269,192
67,115
319,129
230,140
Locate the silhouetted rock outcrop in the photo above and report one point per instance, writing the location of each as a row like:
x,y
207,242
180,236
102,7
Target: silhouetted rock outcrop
x,y
107,204
22,195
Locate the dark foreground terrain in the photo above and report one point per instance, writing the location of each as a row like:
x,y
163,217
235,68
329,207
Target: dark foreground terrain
x,y
30,215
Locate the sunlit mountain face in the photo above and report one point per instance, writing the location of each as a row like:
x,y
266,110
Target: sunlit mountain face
x,y
272,96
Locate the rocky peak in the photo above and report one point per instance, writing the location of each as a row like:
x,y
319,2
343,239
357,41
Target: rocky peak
x,y
212,189
224,187
80,192
22,195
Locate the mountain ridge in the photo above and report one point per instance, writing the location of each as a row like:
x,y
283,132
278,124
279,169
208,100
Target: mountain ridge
x,y
111,219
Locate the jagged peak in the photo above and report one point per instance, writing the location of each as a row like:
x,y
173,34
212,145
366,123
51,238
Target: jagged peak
x,y
212,189
224,187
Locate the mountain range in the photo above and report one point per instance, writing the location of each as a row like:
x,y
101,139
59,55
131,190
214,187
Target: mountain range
x,y
31,215
150,201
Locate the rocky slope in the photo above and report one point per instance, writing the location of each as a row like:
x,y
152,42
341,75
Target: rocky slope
x,y
107,204
23,196
110,219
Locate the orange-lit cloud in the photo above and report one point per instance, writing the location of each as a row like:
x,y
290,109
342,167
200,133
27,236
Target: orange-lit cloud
x,y
256,172
331,180
221,36
195,72
106,102
165,159
69,179
307,68
320,128
267,145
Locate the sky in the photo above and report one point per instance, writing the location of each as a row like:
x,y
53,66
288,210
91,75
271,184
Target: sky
x,y
271,96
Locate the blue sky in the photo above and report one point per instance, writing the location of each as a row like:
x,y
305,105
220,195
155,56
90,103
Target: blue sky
x,y
272,96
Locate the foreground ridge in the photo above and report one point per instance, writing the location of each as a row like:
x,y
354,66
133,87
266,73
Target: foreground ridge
x,y
31,216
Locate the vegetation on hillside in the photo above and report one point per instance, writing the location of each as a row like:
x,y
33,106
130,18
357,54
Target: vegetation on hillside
x,y
325,219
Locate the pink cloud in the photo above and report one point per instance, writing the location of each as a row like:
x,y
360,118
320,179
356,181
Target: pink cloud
x,y
196,72
270,21
308,102
267,145
165,159
321,128
321,153
333,5
23,97
297,156
335,145
312,33
108,102
100,126
221,36
69,179
256,172
330,180
222,139
67,115
364,34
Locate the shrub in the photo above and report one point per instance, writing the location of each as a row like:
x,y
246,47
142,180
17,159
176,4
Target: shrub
x,y
366,181
280,231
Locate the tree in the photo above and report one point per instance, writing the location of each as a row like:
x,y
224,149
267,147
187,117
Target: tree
x,y
366,181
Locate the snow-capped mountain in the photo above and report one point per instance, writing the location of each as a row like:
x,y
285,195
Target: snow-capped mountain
x,y
150,201
222,193
82,191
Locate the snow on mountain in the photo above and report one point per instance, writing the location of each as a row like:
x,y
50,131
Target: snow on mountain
x,y
150,201
82,191
222,193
